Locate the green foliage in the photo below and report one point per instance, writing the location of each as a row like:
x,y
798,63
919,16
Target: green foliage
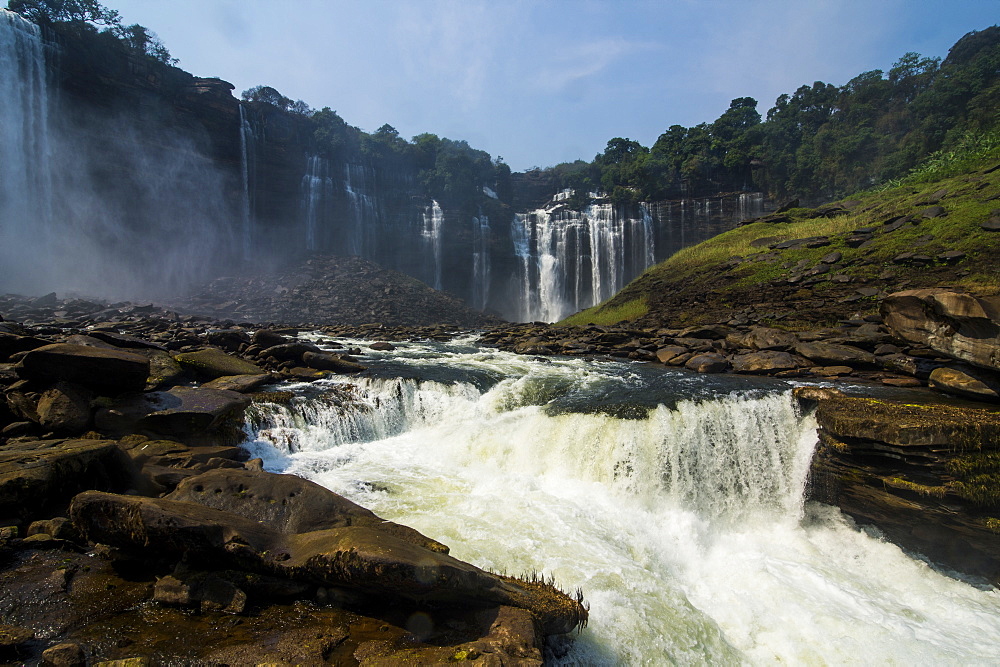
x,y
607,314
818,143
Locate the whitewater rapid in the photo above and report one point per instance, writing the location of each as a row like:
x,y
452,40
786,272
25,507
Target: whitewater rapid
x,y
674,501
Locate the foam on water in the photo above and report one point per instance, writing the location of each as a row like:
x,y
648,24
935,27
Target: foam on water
x,y
684,527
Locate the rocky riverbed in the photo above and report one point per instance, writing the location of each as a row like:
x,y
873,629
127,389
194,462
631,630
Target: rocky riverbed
x,y
120,471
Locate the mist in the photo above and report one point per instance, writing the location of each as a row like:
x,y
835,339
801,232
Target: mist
x,y
115,204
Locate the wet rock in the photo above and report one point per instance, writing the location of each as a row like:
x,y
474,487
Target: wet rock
x,y
358,558
103,370
382,346
213,363
954,324
331,362
244,384
66,654
205,591
37,473
288,504
179,412
12,638
665,354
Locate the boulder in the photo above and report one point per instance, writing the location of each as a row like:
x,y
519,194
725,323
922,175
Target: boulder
x,y
107,371
244,384
37,473
325,361
766,338
665,354
836,355
180,412
362,559
960,383
228,339
956,325
66,654
65,407
289,351
710,362
764,362
212,363
288,504
11,344
265,338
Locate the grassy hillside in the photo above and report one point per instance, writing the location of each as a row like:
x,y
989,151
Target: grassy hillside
x,y
924,230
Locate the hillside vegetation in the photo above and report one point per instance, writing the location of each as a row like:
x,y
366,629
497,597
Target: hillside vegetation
x,y
803,267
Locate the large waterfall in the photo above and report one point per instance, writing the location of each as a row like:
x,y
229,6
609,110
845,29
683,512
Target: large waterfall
x,y
317,195
571,260
25,152
674,501
248,171
431,235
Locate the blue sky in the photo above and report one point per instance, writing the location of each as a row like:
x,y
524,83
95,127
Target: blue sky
x,y
542,82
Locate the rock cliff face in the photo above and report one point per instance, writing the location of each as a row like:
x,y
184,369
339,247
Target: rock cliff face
x,y
154,180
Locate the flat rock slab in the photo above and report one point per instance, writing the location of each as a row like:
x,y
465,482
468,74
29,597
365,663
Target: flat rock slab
x,y
362,559
103,370
243,384
36,473
213,363
834,354
180,412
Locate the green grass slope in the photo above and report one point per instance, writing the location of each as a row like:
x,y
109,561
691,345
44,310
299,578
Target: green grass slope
x,y
888,239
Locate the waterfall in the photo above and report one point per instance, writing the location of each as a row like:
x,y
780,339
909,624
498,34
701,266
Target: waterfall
x,y
431,236
317,193
684,526
358,186
571,260
481,245
247,167
25,173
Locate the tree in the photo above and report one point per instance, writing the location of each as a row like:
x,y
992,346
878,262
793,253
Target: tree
x,y
267,95
51,11
144,41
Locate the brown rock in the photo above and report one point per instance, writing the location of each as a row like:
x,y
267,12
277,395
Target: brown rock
x,y
710,362
954,381
65,407
763,362
103,370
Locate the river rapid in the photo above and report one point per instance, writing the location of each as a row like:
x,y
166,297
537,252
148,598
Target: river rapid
x,y
675,501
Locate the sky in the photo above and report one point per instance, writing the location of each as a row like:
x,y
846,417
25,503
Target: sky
x,y
539,82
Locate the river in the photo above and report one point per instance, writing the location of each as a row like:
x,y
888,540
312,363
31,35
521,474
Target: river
x,y
675,501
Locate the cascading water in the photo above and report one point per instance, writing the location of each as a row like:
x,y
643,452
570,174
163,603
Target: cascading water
x,y
683,523
431,236
247,166
364,208
481,241
25,171
571,260
317,195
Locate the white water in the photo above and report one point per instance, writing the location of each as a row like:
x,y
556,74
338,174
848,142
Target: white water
x,y
358,186
317,193
247,147
571,260
481,242
25,173
431,235
686,529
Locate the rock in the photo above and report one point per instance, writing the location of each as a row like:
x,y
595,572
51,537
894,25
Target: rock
x,y
244,384
59,528
954,324
358,558
902,382
265,338
831,258
955,381
765,338
834,354
709,362
763,362
65,408
12,638
665,354
325,361
209,593
12,344
212,363
932,212
992,224
180,412
228,339
164,371
104,371
124,340
934,198
289,351
66,654
382,346
37,473
288,504
951,256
